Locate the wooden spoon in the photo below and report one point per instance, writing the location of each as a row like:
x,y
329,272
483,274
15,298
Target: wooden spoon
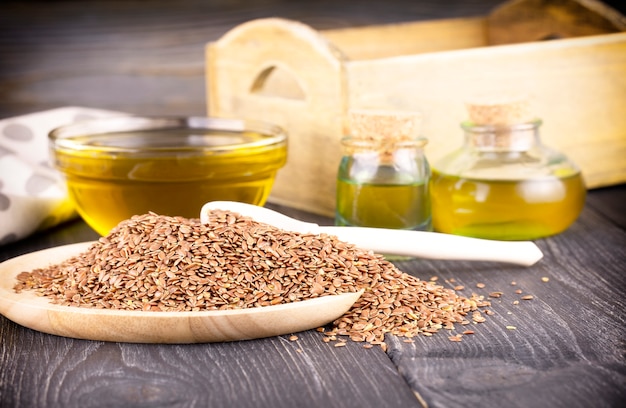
x,y
36,312
394,242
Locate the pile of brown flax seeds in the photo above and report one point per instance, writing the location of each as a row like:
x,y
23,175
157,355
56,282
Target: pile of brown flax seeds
x,y
160,263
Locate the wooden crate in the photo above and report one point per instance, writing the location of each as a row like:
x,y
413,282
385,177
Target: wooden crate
x,y
288,73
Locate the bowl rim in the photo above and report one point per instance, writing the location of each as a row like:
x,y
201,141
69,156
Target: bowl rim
x,y
64,137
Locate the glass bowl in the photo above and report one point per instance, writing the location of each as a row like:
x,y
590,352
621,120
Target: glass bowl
x,y
119,167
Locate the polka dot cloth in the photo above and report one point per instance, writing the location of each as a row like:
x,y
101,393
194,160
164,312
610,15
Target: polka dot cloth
x,y
32,194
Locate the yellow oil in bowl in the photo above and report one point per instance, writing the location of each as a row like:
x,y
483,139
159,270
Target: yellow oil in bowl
x,y
120,167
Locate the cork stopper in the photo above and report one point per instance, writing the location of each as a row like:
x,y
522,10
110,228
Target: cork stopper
x,y
501,123
382,131
377,125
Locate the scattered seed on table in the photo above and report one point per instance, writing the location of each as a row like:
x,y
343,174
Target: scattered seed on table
x,y
527,297
478,318
519,291
459,287
545,279
293,338
480,285
511,328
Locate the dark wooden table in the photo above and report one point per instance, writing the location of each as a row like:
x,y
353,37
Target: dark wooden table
x,y
568,348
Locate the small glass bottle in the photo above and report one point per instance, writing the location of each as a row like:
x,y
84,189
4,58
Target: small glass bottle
x,y
503,183
383,177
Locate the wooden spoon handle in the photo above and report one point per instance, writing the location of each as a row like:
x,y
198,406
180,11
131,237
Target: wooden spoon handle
x,y
437,246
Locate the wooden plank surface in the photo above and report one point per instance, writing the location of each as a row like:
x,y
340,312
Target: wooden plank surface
x,y
44,371
568,348
610,202
567,344
147,57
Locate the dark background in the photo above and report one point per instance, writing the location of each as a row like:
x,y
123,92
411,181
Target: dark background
x,y
146,57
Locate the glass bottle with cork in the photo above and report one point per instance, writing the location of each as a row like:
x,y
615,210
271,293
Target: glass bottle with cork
x,y
503,183
383,177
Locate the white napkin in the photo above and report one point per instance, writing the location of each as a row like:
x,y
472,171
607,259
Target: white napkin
x,y
32,194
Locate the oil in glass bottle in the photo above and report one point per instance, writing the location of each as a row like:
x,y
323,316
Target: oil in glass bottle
x,y
503,183
383,177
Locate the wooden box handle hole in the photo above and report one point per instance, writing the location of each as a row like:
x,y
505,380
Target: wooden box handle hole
x,y
278,82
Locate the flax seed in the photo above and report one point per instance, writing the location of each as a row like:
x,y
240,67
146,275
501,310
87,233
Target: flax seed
x,y
155,263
